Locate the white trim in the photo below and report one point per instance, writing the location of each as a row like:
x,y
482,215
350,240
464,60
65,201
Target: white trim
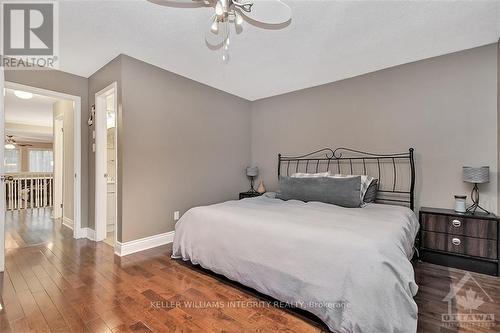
x,y
101,184
87,233
67,222
58,148
123,249
77,147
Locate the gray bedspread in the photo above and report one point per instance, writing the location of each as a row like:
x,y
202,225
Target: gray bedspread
x,y
348,266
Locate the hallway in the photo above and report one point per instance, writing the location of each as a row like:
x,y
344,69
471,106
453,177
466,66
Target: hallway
x,y
28,227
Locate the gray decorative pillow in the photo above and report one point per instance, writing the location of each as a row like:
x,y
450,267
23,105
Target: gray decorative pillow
x,y
338,191
371,191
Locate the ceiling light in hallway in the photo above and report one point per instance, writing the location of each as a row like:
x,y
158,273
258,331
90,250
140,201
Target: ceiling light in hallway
x,y
23,94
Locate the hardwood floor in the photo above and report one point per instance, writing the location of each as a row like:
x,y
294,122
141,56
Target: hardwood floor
x,y
67,285
32,226
110,238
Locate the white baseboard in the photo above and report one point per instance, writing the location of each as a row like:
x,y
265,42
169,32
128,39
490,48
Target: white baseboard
x,y
123,249
86,233
67,222
89,233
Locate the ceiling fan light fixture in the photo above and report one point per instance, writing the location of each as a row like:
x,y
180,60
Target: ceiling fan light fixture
x,y
215,26
232,14
23,94
219,9
10,146
238,18
247,7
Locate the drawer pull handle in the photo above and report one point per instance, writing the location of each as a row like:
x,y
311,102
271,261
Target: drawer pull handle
x,y
456,223
456,241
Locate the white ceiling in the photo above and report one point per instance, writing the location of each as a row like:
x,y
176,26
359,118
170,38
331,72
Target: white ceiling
x,y
35,111
29,133
29,119
326,41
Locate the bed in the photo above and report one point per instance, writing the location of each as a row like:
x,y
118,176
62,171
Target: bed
x,y
348,266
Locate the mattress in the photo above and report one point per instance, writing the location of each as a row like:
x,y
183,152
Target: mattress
x,y
348,266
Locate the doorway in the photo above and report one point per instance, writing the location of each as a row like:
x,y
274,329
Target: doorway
x,y
40,166
106,164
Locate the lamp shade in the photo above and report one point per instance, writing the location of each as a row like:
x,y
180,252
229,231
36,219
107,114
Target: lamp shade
x,y
252,171
476,175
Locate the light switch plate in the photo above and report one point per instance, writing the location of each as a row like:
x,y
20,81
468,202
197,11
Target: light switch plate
x,y
176,215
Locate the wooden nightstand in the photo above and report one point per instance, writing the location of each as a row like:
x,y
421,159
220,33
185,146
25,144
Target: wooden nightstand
x,y
249,194
458,240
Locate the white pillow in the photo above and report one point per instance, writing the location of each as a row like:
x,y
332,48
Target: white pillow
x,y
365,182
311,175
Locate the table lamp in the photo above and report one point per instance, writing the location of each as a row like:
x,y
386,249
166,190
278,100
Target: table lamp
x,y
476,175
252,172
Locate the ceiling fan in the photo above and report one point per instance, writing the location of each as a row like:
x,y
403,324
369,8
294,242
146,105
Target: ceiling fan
x,y
261,13
10,143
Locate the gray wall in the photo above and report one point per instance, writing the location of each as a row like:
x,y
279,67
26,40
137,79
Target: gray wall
x,y
445,107
69,84
180,144
183,144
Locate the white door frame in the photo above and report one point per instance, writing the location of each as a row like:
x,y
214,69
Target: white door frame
x,y
58,188
78,231
2,189
101,137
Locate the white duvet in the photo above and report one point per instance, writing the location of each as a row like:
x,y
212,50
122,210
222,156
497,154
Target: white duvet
x,y
348,266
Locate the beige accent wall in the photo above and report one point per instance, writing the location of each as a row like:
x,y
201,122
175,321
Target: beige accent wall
x,y
444,107
65,108
180,144
69,84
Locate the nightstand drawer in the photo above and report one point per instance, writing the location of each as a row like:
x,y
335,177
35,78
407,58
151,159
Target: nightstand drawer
x,y
457,225
477,247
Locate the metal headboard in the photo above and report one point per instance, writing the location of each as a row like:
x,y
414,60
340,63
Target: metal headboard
x,y
387,168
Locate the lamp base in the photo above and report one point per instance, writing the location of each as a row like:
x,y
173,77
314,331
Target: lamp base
x,y
252,189
475,201
472,209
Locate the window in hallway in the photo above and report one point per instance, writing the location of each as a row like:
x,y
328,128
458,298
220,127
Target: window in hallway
x,y
12,160
41,160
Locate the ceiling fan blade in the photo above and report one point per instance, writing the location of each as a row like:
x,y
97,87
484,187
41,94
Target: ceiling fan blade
x,y
216,38
182,3
269,12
